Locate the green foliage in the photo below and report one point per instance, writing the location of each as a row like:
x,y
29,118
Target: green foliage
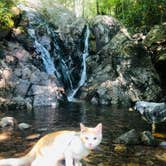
x,y
141,13
6,16
135,14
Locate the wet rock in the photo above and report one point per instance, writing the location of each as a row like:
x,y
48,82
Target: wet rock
x,y
46,95
46,42
148,139
130,138
26,73
39,77
24,126
155,43
42,129
94,100
103,29
134,138
150,163
8,121
16,103
22,87
20,103
4,33
151,111
17,80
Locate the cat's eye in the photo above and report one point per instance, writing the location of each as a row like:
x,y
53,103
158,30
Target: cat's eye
x,y
95,138
86,138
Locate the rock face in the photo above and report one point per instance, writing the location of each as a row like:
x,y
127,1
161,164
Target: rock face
x,y
155,43
21,81
120,71
42,62
71,35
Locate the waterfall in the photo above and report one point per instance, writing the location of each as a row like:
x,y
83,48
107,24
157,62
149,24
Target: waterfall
x,y
45,55
68,65
34,20
61,70
83,74
63,67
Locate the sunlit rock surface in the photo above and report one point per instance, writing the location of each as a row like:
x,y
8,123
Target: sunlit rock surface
x,y
43,60
19,77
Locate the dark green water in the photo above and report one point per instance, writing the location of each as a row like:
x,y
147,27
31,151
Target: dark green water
x,y
116,121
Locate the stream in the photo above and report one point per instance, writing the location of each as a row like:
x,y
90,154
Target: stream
x,y
116,121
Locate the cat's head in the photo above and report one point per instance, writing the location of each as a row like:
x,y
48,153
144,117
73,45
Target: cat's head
x,y
91,137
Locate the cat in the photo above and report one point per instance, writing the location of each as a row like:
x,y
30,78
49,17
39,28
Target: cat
x,y
53,148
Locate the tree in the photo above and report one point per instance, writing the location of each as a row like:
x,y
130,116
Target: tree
x,y
97,7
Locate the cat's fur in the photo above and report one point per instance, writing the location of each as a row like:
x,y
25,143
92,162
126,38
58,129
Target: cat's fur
x,y
51,149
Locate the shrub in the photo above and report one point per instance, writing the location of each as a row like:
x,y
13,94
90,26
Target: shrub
x,y
6,16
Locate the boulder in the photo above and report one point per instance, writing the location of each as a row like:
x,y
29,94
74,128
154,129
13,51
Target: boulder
x,y
104,29
46,95
18,75
8,122
148,139
155,44
132,137
121,71
24,126
129,138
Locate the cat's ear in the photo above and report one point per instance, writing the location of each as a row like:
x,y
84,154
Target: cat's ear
x,y
82,127
99,128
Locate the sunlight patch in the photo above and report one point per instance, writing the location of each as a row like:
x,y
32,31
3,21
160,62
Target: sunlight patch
x,y
4,136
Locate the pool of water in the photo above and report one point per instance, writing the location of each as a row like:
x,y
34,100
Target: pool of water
x,y
115,120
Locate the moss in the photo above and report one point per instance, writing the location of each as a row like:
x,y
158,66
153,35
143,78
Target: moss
x,y
162,57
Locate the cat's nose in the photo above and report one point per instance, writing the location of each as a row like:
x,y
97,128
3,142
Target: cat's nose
x,y
90,145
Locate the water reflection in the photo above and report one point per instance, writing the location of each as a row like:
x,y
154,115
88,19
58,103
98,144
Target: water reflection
x,y
115,121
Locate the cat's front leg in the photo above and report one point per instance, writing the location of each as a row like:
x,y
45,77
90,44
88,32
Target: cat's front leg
x,y
68,159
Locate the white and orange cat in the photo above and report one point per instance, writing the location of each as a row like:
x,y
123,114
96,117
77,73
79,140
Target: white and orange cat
x,y
51,149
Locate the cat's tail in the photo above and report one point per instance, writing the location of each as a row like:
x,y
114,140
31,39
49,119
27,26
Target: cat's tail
x,y
25,160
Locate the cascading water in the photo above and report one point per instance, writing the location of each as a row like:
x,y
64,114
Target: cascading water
x,y
41,50
63,67
83,74
58,60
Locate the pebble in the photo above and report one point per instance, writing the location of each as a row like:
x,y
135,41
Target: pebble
x,y
8,121
24,126
120,148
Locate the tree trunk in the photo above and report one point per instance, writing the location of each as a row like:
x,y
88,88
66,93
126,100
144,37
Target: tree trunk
x,y
97,7
78,8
